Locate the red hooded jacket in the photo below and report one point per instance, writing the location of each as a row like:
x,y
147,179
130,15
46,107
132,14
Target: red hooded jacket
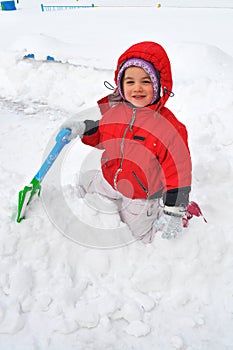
x,y
146,152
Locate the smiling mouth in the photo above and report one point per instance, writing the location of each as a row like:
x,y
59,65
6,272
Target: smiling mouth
x,y
139,97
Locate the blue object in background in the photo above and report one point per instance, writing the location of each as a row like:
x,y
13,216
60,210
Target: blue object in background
x,y
50,58
30,55
8,5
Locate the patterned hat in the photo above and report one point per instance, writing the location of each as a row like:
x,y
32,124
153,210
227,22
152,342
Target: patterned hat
x,y
148,68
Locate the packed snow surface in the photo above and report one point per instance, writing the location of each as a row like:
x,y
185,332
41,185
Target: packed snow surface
x,y
94,288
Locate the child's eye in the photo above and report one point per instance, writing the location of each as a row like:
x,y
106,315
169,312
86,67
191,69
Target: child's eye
x,y
146,82
128,82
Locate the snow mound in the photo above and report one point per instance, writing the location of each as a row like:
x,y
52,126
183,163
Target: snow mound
x,y
57,293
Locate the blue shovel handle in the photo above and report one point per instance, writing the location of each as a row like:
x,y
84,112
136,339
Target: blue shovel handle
x,y
61,140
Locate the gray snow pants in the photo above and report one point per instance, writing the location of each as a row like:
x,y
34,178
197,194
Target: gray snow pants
x,y
139,214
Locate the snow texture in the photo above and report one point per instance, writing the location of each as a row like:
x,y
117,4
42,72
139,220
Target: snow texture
x,y
56,290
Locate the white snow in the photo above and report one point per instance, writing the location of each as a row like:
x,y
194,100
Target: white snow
x,y
58,289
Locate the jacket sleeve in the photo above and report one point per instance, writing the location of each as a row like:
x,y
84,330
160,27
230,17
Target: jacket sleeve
x,y
91,135
176,163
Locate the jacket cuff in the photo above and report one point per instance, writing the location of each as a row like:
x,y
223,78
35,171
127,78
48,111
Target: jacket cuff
x,y
177,197
91,127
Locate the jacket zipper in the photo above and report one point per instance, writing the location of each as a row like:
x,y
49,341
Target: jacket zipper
x,y
128,127
140,183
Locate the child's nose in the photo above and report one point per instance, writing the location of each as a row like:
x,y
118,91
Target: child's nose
x,y
137,87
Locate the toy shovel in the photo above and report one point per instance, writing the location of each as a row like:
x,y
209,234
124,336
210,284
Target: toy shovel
x,y
26,195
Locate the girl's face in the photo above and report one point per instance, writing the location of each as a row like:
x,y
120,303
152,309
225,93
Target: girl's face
x,y
137,87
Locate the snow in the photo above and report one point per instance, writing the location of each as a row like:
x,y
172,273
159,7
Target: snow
x,y
87,285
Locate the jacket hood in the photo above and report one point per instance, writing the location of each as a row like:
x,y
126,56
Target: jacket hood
x,y
155,54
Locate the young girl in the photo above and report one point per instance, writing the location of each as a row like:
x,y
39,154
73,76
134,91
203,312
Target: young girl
x,y
146,159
